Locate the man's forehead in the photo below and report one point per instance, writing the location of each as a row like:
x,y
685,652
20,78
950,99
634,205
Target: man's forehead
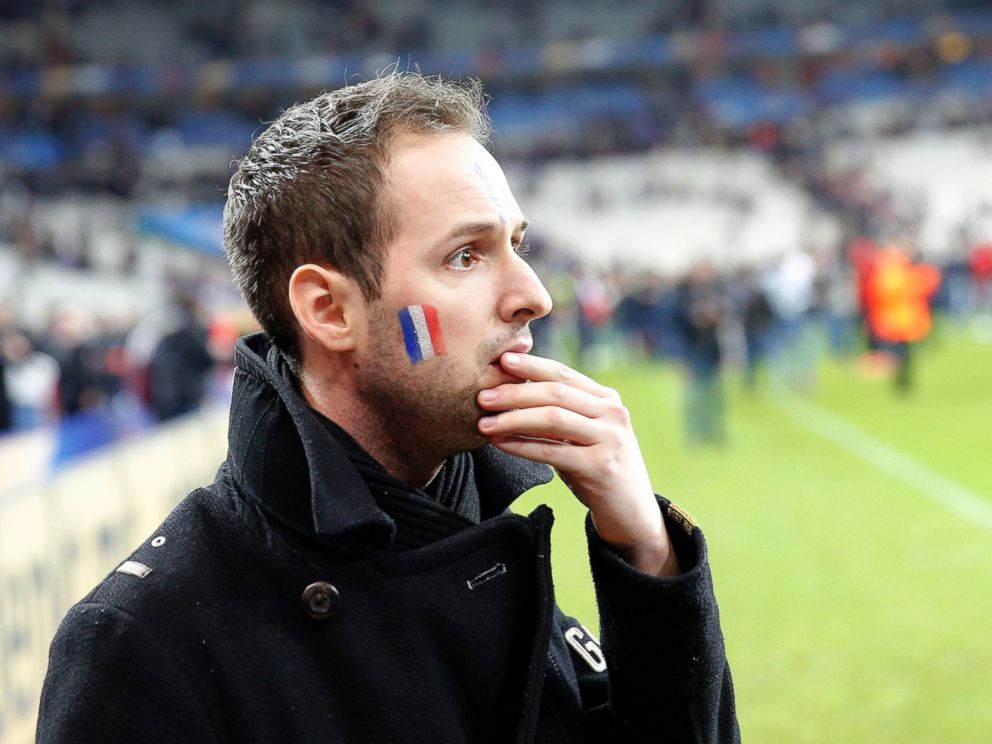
x,y
454,159
449,168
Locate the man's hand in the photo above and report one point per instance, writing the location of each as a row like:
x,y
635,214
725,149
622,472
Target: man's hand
x,y
582,429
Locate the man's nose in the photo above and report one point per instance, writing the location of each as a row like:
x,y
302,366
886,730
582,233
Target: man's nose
x,y
524,296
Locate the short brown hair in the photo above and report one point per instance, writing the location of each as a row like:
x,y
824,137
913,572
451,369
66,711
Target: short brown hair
x,y
309,188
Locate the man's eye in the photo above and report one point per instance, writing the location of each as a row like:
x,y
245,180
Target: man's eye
x,y
522,248
464,259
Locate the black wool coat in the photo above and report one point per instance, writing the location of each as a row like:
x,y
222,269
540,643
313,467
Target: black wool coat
x,y
274,606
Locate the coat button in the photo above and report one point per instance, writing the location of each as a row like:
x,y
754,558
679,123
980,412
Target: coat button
x,y
321,600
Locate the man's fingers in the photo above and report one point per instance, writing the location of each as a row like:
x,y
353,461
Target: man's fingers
x,y
547,422
537,394
562,456
540,369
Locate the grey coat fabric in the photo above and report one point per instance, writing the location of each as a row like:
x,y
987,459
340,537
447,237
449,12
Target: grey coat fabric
x,y
278,608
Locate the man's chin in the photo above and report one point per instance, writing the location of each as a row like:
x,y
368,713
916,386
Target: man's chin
x,y
473,440
458,432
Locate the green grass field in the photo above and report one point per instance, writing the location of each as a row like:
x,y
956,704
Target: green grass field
x,y
856,602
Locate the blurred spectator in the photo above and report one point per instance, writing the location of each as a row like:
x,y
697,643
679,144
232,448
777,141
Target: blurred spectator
x,y
180,363
595,311
85,383
700,310
898,307
981,274
757,319
32,381
7,330
641,313
841,306
956,287
791,290
6,413
862,253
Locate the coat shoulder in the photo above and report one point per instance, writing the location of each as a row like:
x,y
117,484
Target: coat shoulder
x,y
175,563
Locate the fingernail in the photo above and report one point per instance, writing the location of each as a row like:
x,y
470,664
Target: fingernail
x,y
511,358
487,396
487,423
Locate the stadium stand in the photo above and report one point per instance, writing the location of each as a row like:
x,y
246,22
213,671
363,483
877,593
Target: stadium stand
x,y
666,210
941,174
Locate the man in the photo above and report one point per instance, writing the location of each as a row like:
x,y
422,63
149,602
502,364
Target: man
x,y
353,574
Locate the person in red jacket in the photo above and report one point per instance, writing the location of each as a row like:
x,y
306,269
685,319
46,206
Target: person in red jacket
x,y
898,297
980,263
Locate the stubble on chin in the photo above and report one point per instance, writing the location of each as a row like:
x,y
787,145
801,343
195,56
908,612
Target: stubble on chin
x,y
429,405
424,406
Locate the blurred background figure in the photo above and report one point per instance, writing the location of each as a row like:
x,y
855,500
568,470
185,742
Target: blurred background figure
x,y
79,348
791,286
700,311
840,306
31,379
6,412
980,262
899,293
180,362
758,323
596,305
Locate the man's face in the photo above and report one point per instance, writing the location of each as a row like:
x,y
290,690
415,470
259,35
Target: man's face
x,y
455,256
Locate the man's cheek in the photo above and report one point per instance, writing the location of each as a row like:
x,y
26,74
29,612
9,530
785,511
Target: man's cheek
x,y
421,332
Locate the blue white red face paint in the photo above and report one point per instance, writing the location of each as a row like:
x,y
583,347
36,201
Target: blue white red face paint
x,y
421,332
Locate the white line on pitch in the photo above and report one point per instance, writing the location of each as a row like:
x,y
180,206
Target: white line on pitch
x,y
904,468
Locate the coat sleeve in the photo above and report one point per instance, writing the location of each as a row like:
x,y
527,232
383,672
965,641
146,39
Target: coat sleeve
x,y
110,682
667,669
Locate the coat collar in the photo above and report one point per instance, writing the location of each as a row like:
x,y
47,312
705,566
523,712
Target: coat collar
x,y
283,457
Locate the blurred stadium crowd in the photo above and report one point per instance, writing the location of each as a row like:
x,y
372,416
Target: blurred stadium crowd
x,y
711,181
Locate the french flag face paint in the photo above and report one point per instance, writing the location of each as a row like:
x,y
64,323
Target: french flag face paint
x,y
421,332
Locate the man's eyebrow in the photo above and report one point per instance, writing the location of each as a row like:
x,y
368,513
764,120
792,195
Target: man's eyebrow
x,y
475,228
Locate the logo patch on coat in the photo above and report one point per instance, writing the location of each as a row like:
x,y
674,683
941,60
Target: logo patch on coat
x,y
133,568
586,647
681,517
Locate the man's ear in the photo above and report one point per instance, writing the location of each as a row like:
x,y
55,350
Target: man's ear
x,y
326,304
